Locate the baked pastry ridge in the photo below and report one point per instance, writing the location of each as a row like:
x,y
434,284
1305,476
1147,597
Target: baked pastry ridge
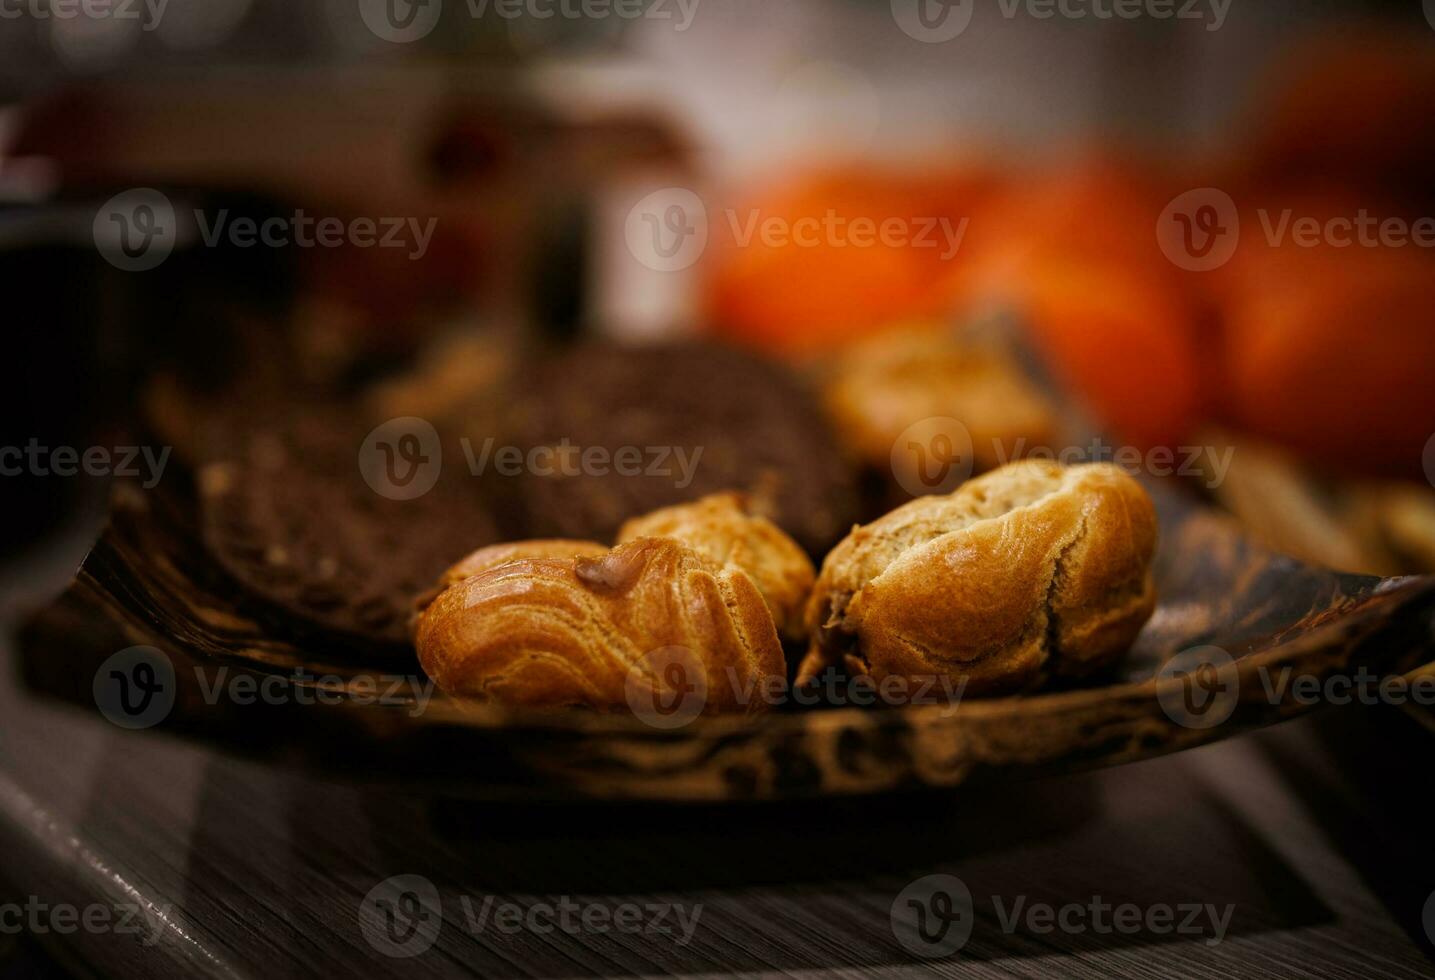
x,y
1033,570
550,632
725,528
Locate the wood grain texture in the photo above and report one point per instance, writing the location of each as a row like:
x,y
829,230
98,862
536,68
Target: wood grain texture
x,y
1314,832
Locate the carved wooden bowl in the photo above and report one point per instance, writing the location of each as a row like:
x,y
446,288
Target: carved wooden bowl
x,y
1281,629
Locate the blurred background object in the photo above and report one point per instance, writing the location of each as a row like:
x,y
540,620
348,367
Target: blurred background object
x,y
836,171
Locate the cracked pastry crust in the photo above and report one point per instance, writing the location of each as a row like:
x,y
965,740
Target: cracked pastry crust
x,y
1031,571
553,632
723,527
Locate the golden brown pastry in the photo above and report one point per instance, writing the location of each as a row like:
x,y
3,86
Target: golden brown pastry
x,y
1030,571
549,632
722,526
499,554
880,387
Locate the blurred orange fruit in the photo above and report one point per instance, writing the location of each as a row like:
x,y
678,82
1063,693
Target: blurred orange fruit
x,y
1122,342
807,265
1074,254
1329,350
1355,106
1093,209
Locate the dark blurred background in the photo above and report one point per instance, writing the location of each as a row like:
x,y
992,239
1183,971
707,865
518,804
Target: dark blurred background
x,y
1059,133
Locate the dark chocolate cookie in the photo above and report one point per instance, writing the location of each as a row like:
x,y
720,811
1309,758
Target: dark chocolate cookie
x,y
608,432
293,519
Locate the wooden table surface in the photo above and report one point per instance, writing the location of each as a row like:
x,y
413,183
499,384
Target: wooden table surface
x,y
1311,835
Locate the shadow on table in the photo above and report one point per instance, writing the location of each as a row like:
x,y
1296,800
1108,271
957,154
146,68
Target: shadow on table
x,y
1365,769
1047,865
281,871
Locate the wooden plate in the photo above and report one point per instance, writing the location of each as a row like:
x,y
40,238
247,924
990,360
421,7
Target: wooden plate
x,y
1282,630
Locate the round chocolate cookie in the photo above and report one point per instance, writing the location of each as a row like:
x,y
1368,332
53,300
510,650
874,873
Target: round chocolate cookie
x,y
293,519
608,432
